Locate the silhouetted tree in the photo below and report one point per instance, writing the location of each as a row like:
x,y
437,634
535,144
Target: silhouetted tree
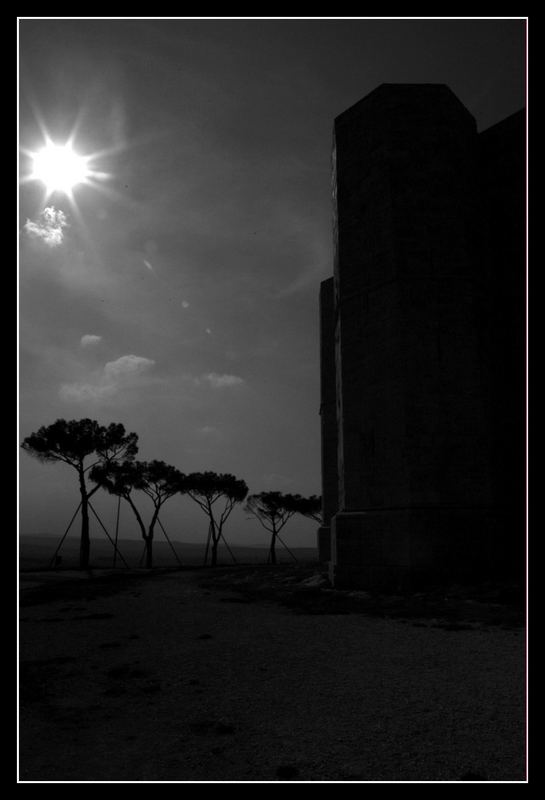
x,y
74,441
273,510
310,507
209,488
159,481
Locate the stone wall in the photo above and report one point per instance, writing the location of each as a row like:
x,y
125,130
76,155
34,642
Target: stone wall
x,y
328,417
418,196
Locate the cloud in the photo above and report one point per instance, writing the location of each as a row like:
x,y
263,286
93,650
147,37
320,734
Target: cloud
x,y
127,366
83,392
221,381
208,430
90,339
185,304
148,265
49,227
125,372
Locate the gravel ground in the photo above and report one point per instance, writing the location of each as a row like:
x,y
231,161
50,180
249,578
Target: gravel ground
x,y
220,676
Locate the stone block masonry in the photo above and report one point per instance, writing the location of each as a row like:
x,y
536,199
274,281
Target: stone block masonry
x,y
422,343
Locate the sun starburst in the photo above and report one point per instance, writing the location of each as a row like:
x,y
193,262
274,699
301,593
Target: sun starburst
x,y
60,168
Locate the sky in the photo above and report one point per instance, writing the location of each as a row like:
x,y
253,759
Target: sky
x,y
176,291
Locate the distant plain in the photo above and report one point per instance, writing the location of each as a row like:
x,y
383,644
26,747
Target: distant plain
x,y
37,551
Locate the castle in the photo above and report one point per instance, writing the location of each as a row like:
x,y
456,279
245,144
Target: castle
x,y
422,349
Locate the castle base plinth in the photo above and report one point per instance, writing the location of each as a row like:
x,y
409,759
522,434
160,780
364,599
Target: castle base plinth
x,y
324,543
409,548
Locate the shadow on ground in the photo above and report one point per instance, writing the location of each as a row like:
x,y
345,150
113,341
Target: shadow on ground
x,y
305,590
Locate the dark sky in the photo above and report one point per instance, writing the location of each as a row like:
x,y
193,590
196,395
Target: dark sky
x,y
179,294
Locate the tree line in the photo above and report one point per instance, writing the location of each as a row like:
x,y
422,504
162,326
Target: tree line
x,y
104,457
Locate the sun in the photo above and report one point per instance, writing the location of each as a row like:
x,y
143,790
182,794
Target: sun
x,y
59,167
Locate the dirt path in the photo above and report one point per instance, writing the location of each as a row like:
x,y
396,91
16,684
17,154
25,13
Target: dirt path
x,y
164,679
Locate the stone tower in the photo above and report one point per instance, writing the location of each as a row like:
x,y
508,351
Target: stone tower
x,y
422,343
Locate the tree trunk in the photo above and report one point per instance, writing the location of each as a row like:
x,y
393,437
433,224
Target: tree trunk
x,y
214,538
139,520
214,551
149,538
149,552
85,542
272,551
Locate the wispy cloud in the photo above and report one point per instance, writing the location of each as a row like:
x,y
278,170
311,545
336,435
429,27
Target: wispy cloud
x,y
315,263
125,372
90,339
84,392
208,430
221,381
49,227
